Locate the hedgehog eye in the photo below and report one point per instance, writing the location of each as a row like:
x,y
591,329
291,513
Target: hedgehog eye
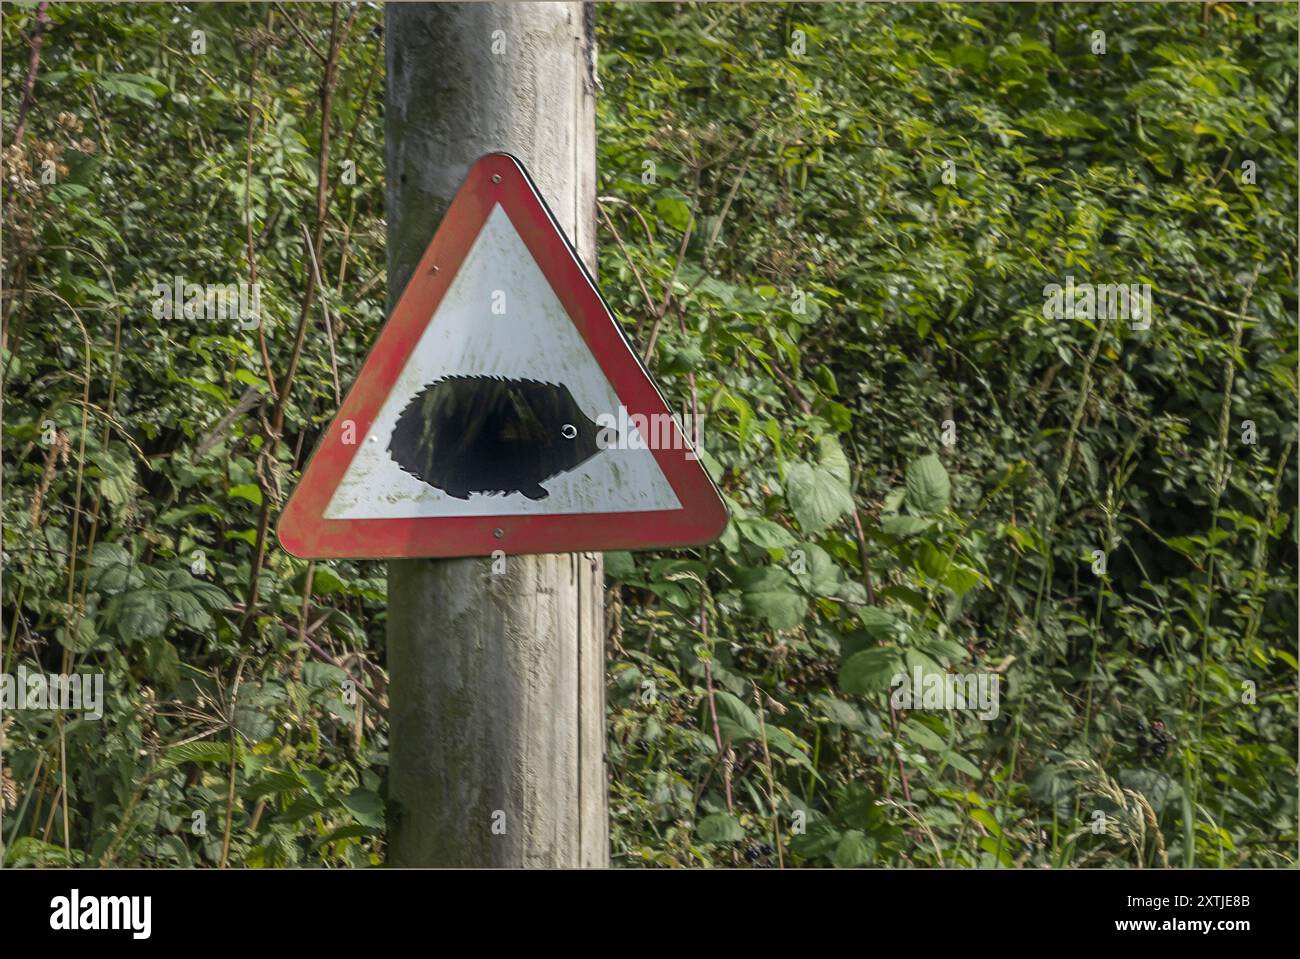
x,y
568,431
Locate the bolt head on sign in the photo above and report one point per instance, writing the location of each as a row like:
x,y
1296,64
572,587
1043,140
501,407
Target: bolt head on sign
x,y
500,408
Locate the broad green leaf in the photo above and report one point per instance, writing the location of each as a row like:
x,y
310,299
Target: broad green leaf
x,y
770,592
819,494
854,849
202,751
248,491
114,569
736,721
878,622
816,571
922,735
140,615
903,526
719,827
781,740
84,636
870,671
325,582
933,561
366,806
840,712
961,579
117,482
765,533
928,488
674,211
620,565
961,763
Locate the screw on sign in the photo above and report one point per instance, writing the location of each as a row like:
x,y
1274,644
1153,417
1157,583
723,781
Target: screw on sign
x,y
501,406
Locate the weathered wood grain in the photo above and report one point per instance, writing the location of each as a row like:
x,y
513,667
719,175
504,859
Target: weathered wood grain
x,y
497,681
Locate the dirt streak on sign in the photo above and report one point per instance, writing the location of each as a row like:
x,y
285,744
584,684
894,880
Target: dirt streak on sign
x,y
501,408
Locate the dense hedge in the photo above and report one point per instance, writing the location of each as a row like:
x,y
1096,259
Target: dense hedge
x,y
832,228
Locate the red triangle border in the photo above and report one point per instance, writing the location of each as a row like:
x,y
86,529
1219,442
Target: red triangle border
x,y
303,530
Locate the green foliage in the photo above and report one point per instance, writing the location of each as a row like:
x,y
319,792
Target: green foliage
x,y
830,227
872,223
157,434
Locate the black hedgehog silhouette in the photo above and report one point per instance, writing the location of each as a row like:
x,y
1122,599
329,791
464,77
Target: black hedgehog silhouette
x,y
491,434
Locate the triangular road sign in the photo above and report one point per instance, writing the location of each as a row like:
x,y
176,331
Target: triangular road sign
x,y
501,408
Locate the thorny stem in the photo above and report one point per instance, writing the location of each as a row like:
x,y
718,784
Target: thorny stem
x,y
1219,482
337,36
38,40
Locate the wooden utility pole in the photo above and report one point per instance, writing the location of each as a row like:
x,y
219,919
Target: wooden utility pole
x,y
497,704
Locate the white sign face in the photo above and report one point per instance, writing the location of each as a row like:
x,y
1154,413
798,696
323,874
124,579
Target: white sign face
x,y
500,409
501,337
